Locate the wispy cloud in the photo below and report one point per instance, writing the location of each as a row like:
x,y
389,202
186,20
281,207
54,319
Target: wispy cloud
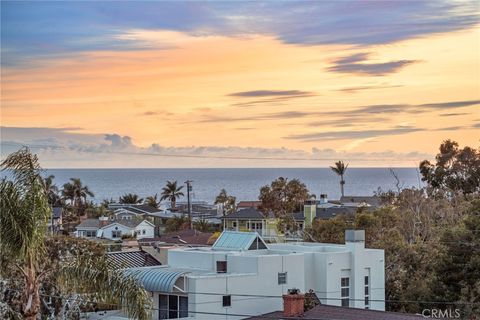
x,y
355,64
352,134
270,93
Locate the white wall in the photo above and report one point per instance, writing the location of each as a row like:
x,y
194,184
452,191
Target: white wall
x,y
107,231
145,230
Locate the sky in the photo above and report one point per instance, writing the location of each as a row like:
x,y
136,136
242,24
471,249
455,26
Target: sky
x,y
238,84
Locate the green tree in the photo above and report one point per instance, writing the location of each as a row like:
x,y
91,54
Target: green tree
x,y
340,169
24,211
152,201
177,223
227,202
130,198
171,192
52,191
455,170
76,194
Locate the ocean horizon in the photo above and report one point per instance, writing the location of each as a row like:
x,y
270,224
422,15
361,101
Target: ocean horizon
x,y
243,183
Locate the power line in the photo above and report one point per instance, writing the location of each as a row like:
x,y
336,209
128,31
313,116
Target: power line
x,y
172,155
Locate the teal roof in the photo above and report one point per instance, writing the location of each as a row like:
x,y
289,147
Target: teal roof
x,y
239,241
156,279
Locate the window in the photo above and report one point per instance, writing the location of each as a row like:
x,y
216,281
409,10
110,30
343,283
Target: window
x,y
345,291
367,293
227,301
221,266
234,224
144,231
116,234
282,278
172,306
90,234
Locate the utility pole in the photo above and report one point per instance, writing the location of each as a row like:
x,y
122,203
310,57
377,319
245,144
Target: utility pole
x,y
189,188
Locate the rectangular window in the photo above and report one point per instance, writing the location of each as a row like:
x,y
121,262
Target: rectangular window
x,y
172,306
144,231
345,291
221,266
367,293
227,301
116,234
282,278
234,224
90,234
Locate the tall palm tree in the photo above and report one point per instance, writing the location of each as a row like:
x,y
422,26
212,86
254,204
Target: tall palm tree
x,y
227,202
152,201
340,168
130,198
76,193
24,211
171,192
51,190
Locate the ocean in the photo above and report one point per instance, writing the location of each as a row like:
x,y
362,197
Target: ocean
x,y
242,183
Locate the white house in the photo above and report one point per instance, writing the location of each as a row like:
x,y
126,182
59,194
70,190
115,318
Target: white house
x,y
242,276
115,229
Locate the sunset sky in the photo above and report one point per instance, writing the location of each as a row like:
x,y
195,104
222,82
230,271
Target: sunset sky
x,y
91,84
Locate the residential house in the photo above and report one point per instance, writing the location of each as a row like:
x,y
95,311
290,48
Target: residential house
x,y
55,222
115,229
293,308
254,220
248,204
372,201
242,276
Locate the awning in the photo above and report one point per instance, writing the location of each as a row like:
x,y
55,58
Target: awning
x,y
156,279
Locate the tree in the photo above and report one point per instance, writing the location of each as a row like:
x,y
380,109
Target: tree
x,y
171,192
340,168
51,190
24,211
227,202
456,169
130,198
152,201
76,193
177,223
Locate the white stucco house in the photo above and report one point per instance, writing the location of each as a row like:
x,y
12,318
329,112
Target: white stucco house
x,y
115,229
242,276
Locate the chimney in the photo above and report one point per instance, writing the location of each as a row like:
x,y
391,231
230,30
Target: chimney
x,y
293,303
103,221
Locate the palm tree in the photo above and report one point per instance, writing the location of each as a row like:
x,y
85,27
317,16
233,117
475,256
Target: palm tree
x,y
76,193
24,210
171,192
340,168
152,201
51,190
130,198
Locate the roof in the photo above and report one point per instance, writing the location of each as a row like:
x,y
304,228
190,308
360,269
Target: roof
x,y
129,223
327,213
138,208
131,259
249,204
248,213
371,200
324,311
239,241
89,223
159,279
186,237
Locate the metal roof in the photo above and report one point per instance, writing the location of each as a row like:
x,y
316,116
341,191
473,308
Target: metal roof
x,y
238,241
156,279
131,259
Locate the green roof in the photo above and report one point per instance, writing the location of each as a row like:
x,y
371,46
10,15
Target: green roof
x,y
239,241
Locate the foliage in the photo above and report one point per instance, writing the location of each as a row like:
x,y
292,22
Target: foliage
x,y
152,201
177,223
75,194
455,170
52,191
171,192
340,169
31,262
227,202
130,198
